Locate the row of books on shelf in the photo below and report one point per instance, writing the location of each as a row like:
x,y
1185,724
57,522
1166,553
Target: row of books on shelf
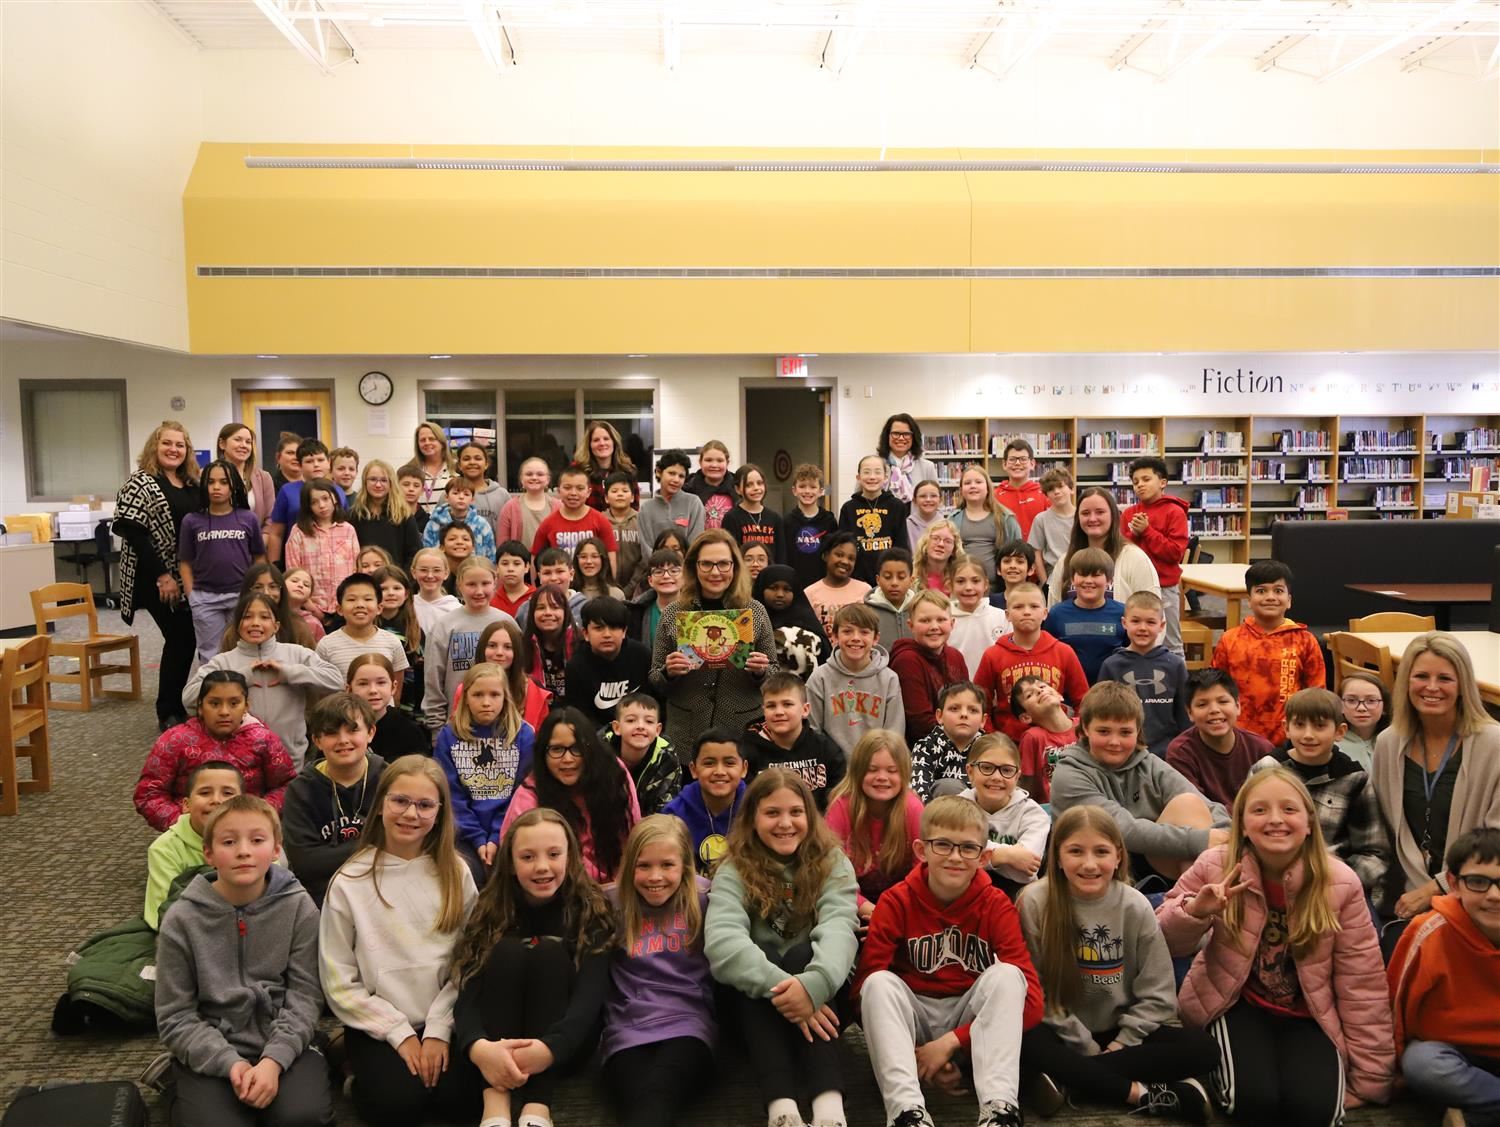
x,y
1374,441
1480,438
1231,497
1222,442
1056,442
1461,469
1378,469
1291,441
1212,469
1106,443
1394,497
1273,470
1206,524
949,445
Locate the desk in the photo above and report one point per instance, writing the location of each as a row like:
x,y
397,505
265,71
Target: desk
x,y
1482,647
1227,580
1442,597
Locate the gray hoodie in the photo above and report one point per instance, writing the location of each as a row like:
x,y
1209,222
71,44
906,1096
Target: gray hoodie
x,y
1134,795
846,705
893,624
1159,678
684,512
237,984
488,501
277,700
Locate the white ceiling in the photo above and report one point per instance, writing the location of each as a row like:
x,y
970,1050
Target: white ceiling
x,y
1322,39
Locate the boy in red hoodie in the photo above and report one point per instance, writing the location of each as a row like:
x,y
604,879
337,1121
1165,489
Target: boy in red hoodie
x,y
1019,492
1445,988
1158,525
925,663
1028,651
945,957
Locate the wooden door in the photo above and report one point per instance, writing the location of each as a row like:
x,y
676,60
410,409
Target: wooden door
x,y
303,404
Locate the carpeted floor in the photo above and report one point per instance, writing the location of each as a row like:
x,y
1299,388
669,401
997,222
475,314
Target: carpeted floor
x,y
75,863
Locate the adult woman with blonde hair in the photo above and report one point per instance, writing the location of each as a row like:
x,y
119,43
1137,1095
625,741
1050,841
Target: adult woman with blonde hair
x,y
382,518
1096,524
433,457
149,510
601,453
698,697
1437,767
236,445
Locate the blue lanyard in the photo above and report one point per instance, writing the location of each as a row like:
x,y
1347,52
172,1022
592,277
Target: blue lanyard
x,y
1430,781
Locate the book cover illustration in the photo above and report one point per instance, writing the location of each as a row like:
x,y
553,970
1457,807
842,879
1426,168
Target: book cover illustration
x,y
716,638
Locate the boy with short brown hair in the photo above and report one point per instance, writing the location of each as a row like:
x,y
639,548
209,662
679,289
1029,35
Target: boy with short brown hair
x,y
807,523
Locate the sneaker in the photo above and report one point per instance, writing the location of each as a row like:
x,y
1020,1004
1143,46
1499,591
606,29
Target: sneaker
x,y
788,1121
913,1117
998,1114
1185,1099
156,1074
1046,1098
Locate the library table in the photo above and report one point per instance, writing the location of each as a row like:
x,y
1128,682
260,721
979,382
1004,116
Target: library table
x,y
1442,597
1482,646
1226,579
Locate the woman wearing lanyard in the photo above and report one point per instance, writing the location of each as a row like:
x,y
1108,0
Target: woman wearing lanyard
x,y
1437,768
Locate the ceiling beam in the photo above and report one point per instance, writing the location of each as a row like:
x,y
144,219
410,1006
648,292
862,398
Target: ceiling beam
x,y
1447,15
1492,68
484,23
1267,58
1413,60
327,49
983,36
183,33
1122,56
846,37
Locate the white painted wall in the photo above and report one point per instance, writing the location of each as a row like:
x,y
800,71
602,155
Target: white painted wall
x,y
592,98
700,396
101,127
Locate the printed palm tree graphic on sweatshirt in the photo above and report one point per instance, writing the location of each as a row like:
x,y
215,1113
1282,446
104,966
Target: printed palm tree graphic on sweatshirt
x,y
1100,955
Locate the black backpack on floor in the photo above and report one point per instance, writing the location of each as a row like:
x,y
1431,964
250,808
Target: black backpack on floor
x,y
101,1103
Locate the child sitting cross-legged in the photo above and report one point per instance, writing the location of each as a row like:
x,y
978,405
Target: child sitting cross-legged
x,y
1038,704
1445,984
708,804
921,1001
393,913
1165,821
1111,1031
1347,807
941,757
328,804
209,785
1018,827
855,691
1289,981
780,934
237,995
876,815
1215,754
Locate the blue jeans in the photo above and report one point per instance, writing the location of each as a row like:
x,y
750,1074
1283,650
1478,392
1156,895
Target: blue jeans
x,y
1440,1073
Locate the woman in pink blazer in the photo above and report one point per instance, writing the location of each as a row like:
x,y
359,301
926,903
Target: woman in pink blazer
x,y
1290,982
236,446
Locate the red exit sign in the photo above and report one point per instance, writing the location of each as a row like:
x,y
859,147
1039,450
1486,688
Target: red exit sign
x,y
791,367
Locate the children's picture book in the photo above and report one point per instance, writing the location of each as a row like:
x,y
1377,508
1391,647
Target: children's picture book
x,y
716,638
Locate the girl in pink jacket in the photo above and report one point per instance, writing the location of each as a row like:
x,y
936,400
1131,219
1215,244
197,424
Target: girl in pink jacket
x,y
1290,983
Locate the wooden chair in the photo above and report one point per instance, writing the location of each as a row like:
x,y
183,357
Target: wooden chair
x,y
1392,622
71,600
1353,654
23,715
1197,644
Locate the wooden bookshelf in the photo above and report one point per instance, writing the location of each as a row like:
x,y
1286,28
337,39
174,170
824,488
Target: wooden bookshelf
x,y
1240,473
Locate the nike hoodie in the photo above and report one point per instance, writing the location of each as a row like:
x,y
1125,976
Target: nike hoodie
x,y
846,704
1134,795
1006,662
1160,679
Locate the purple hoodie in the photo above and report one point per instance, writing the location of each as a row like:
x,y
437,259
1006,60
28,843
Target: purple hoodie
x,y
661,989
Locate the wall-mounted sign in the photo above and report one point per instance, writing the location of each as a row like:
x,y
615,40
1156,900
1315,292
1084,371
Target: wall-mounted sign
x,y
791,367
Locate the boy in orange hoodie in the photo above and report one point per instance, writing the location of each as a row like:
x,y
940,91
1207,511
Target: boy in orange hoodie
x,y
1158,525
1445,988
1270,657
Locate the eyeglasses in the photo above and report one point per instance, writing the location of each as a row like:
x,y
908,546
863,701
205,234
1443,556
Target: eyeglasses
x,y
1017,460
942,847
561,751
1004,770
1478,882
715,565
666,569
426,808
1362,702
899,434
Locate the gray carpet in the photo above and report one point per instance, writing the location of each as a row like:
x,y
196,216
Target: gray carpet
x,y
75,861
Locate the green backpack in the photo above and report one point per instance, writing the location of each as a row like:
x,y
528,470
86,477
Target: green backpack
x,y
112,976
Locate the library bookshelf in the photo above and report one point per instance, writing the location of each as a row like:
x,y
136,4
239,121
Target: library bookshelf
x,y
1239,473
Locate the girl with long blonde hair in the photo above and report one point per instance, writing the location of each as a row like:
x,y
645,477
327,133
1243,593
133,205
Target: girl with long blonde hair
x,y
1290,982
659,1020
937,557
1107,978
876,815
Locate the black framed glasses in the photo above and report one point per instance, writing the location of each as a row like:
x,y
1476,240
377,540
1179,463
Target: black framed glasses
x,y
561,751
1361,702
1479,883
942,847
715,565
666,569
1004,770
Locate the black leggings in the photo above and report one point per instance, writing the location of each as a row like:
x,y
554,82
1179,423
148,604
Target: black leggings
x,y
652,1083
524,990
386,1094
179,644
1278,1069
776,1047
1168,1053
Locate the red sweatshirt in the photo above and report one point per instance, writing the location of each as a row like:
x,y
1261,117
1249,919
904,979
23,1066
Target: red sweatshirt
x,y
940,950
253,748
1005,663
1024,502
922,675
1166,537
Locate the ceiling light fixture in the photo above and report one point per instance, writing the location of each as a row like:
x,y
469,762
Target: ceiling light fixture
x,y
441,356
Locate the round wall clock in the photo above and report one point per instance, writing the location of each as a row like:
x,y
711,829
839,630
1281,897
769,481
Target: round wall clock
x,y
375,388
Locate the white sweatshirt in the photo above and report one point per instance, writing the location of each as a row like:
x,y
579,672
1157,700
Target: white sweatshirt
x,y
385,968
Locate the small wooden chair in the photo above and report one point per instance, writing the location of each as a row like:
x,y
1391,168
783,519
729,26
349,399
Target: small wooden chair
x,y
23,715
70,600
1354,654
1392,622
1197,644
